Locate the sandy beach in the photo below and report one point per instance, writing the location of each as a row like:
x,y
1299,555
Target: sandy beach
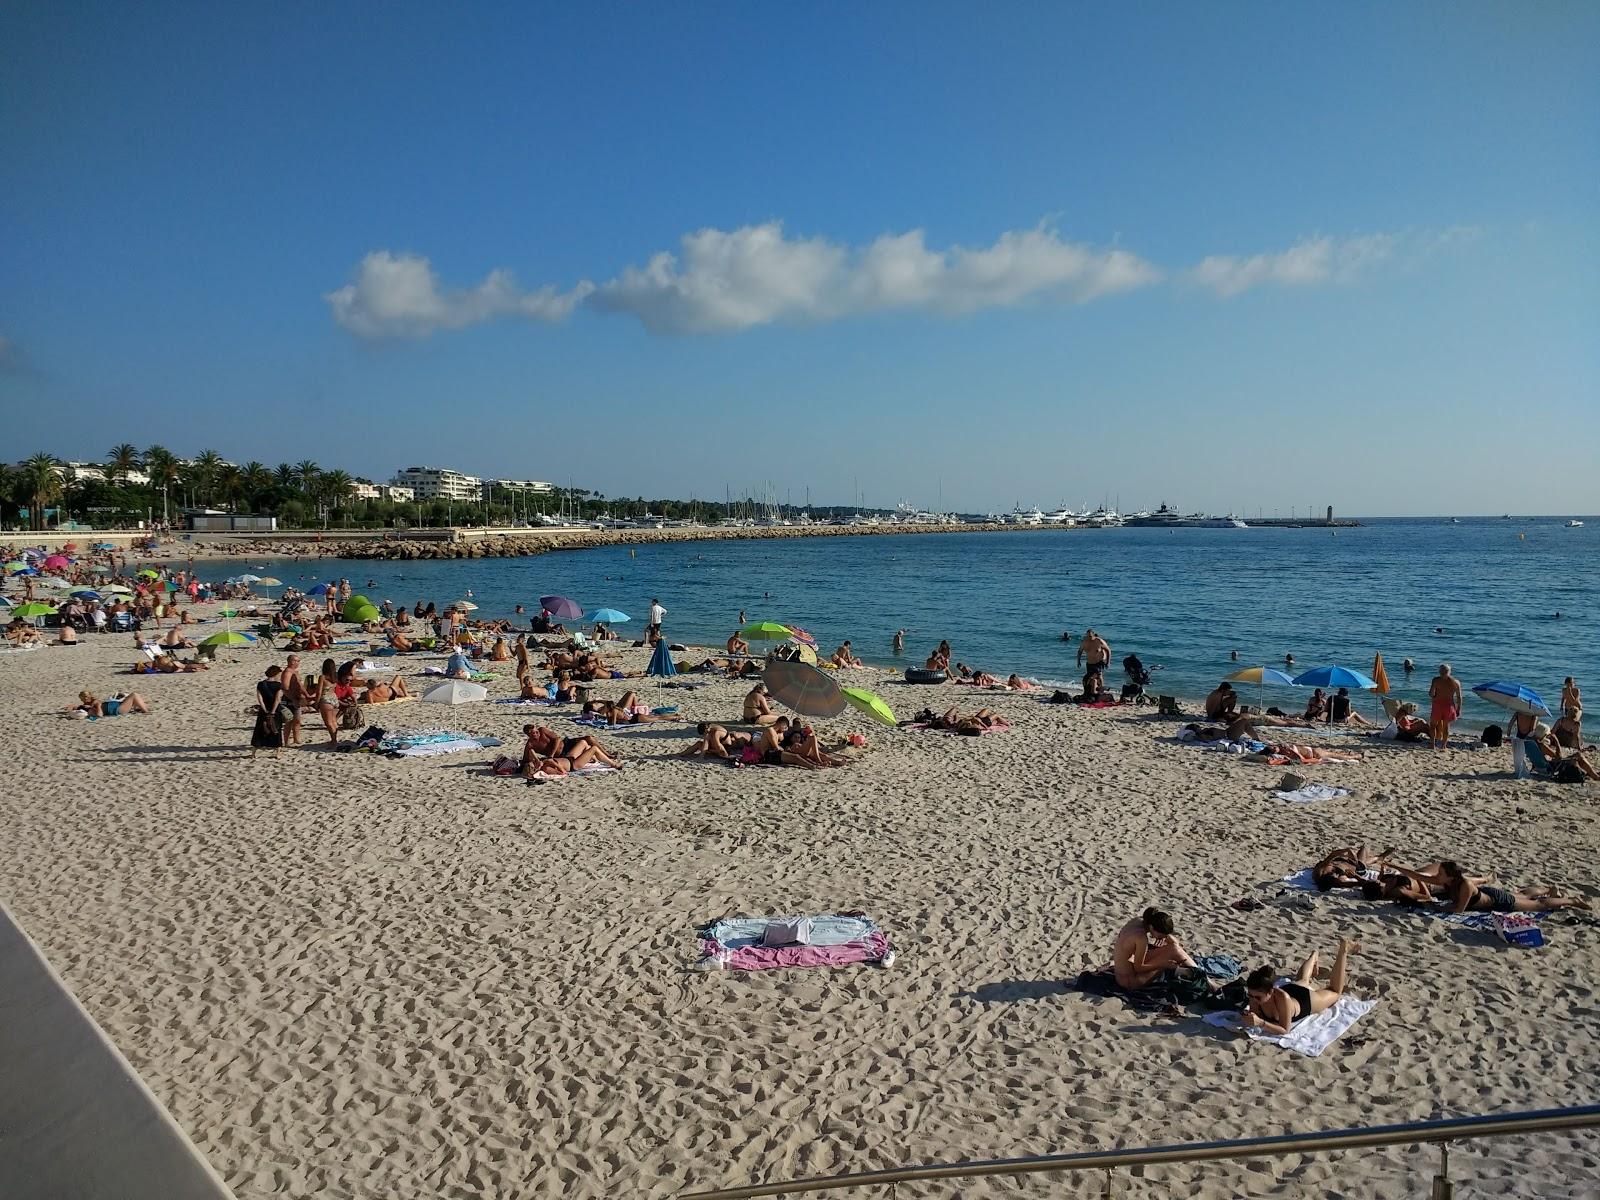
x,y
348,975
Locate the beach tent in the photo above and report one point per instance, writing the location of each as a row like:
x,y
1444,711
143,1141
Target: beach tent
x,y
661,661
455,691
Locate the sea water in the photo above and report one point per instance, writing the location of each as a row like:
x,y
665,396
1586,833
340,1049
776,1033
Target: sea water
x,y
1482,595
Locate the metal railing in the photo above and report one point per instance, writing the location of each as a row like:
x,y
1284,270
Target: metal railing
x,y
1441,1133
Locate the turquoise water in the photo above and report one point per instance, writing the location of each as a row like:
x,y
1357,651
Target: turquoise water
x,y
1180,599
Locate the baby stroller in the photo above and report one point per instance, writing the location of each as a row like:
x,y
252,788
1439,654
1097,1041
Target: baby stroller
x,y
1138,678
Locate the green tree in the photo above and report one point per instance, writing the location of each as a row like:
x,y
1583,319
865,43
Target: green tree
x,y
120,460
40,481
283,475
306,472
204,469
229,485
336,487
257,482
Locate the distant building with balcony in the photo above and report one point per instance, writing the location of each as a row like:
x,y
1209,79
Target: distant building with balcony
x,y
438,483
505,487
79,472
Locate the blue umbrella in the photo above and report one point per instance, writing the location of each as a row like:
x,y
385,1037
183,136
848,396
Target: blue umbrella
x,y
320,590
86,594
661,661
608,615
7,601
1517,697
1335,677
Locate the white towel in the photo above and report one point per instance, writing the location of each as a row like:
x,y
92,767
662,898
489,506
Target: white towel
x,y
1310,793
1309,1037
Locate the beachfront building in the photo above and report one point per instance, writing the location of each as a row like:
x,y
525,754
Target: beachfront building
x,y
439,483
365,489
79,472
504,488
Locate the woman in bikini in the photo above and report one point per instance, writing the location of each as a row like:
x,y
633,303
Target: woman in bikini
x,y
757,708
1463,894
544,746
1274,1009
717,742
325,698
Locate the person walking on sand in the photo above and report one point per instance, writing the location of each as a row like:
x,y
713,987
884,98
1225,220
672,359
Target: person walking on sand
x,y
1094,651
1445,694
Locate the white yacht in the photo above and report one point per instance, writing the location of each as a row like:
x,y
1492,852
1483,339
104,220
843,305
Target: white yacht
x,y
1022,516
1574,524
1105,518
1206,521
1061,516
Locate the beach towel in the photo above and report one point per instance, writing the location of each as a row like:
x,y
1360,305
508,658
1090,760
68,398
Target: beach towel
x,y
428,743
518,702
1309,1037
836,939
392,700
1312,793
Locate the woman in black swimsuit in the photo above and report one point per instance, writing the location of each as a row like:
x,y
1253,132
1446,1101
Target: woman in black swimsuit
x,y
1274,1009
1464,894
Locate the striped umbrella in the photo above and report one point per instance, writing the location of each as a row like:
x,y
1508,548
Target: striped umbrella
x,y
804,689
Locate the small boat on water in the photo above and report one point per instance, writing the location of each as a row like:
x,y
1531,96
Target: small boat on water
x,y
1574,524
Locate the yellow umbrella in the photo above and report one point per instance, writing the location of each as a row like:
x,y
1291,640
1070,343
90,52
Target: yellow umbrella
x,y
807,654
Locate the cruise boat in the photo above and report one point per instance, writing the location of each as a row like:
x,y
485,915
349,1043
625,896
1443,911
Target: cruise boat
x,y
1206,521
1164,517
1104,518
1061,516
1022,516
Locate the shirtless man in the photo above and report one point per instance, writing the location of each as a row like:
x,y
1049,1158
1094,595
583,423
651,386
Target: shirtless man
x,y
378,692
1144,948
737,645
295,696
1445,694
899,640
758,709
1094,651
1222,702
717,742
844,656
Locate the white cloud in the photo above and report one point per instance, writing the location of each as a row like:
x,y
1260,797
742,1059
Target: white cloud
x,y
731,280
1310,263
398,295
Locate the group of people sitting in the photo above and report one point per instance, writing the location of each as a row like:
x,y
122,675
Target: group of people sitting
x,y
1442,882
778,742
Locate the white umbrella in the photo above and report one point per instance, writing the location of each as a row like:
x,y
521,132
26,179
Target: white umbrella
x,y
455,691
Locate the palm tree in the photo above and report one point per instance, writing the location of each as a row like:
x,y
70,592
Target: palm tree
x,y
230,482
162,466
337,486
283,476
306,472
40,480
257,482
121,459
205,467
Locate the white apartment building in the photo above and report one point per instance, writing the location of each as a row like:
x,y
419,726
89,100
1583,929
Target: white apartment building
x,y
365,490
504,487
439,483
77,472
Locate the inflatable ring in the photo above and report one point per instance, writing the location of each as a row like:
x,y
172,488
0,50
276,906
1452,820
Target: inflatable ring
x,y
922,675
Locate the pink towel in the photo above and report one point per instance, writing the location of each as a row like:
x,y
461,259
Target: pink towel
x,y
872,948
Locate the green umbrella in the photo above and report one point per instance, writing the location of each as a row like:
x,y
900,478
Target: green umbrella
x,y
16,566
228,637
147,573
766,631
357,604
870,703
33,609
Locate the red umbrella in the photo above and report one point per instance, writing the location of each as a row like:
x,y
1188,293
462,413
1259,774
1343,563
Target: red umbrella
x,y
69,545
800,635
56,561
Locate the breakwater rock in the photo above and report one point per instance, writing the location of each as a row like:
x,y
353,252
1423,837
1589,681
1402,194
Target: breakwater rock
x,y
473,544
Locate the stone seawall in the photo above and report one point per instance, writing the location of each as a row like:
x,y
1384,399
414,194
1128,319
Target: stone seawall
x,y
519,545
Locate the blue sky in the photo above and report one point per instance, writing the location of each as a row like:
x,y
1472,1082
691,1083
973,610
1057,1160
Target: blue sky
x,y
1246,256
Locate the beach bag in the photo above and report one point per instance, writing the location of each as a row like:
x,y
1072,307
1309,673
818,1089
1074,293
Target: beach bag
x,y
787,931
372,736
1059,697
1493,736
505,765
350,716
1519,929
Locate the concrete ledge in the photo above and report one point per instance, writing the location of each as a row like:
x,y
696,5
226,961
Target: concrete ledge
x,y
76,1122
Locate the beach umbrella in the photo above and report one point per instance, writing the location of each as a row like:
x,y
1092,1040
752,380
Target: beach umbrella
x,y
870,703
116,589
800,635
1261,675
17,565
661,661
246,579
1379,675
147,573
455,691
765,631
56,562
609,616
269,581
804,689
320,589
561,608
33,609
465,606
105,545
1517,697
6,600
86,594
69,547
229,637
1334,677
805,653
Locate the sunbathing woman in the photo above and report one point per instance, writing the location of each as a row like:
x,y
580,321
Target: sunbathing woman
x,y
717,742
1347,867
1273,1009
1018,684
770,750
111,706
1463,895
1310,755
574,752
501,652
757,708
1144,948
984,679
802,740
627,711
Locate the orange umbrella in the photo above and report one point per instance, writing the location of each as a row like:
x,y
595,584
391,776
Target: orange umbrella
x,y
1379,675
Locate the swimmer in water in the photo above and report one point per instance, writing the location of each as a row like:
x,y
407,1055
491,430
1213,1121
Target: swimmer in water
x,y
1288,660
1233,655
1409,666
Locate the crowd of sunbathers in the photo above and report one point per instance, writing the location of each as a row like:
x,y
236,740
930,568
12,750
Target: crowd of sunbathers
x,y
1441,882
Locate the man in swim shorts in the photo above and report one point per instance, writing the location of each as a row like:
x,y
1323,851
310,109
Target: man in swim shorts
x,y
1445,694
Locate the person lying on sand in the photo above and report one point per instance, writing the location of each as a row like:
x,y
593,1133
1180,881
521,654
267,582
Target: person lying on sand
x,y
1018,684
166,664
717,742
629,710
758,708
1310,755
546,750
111,706
975,723
1144,948
1273,1009
378,692
1463,895
20,633
984,679
769,748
